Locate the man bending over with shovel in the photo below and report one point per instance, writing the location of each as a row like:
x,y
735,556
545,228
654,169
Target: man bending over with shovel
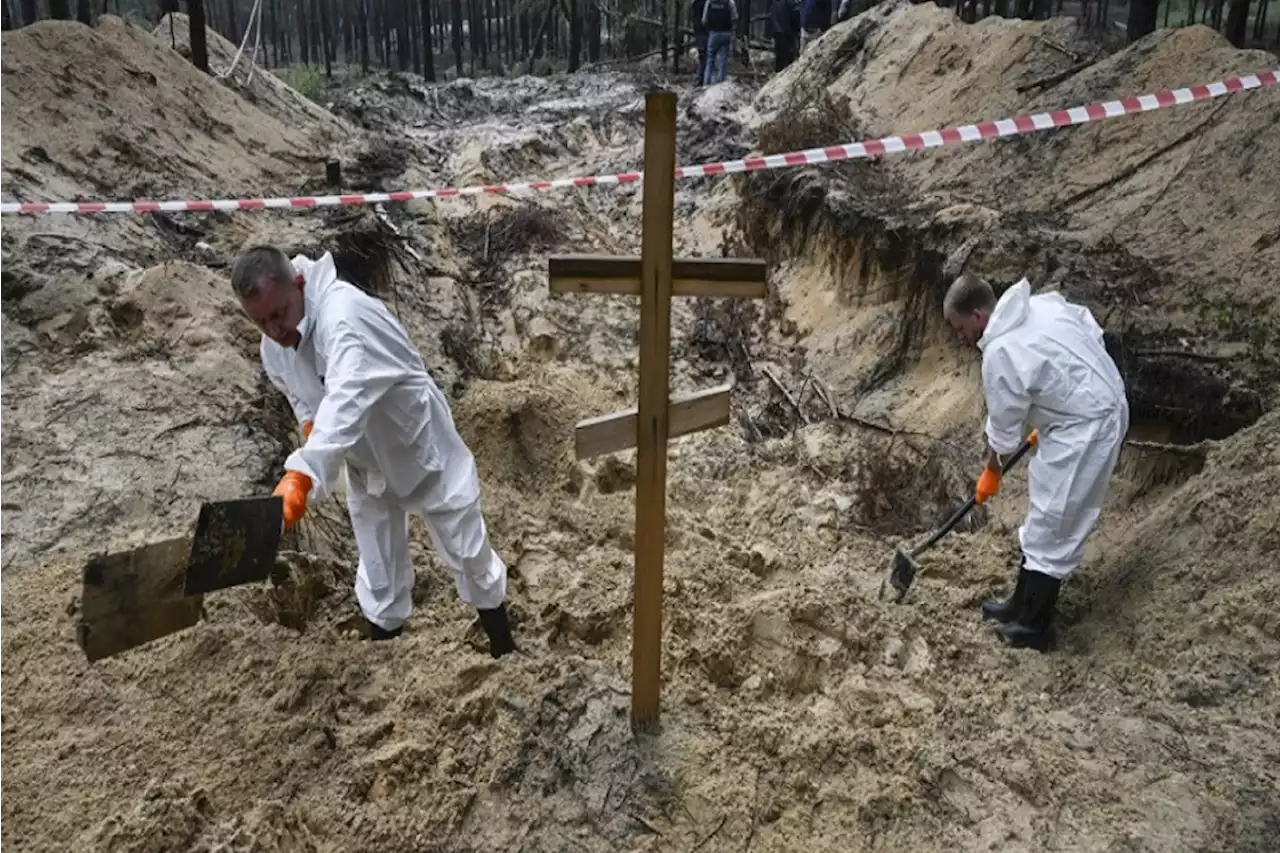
x,y
1043,364
366,403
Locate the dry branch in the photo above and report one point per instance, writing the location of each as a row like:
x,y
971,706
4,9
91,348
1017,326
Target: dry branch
x,y
777,383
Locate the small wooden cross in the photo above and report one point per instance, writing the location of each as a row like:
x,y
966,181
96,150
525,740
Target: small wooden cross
x,y
655,277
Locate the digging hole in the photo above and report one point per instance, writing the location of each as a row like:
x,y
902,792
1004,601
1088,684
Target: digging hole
x,y
304,590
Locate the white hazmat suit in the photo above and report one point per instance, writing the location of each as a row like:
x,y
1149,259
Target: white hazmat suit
x,y
1044,364
375,411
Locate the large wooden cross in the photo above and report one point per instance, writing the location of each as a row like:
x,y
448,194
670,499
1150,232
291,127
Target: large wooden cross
x,y
655,277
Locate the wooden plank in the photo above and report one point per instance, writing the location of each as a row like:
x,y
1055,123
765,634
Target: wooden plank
x,y
133,597
687,414
655,365
734,278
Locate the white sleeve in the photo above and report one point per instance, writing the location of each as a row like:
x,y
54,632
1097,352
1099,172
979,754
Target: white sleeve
x,y
356,378
1006,378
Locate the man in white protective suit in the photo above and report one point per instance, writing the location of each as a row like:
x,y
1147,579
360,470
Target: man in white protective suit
x,y
1043,365
367,404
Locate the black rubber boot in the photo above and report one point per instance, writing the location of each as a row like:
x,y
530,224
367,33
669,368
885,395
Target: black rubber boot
x,y
377,632
1007,610
1033,627
498,628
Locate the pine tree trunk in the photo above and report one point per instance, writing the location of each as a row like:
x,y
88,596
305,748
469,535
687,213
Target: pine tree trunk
x,y
575,35
59,10
273,33
428,55
1143,17
593,31
457,36
348,35
326,37
304,33
536,44
199,39
384,11
84,12
410,35
1237,22
363,23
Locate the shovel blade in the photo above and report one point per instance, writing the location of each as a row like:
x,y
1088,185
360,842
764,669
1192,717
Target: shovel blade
x,y
133,597
235,543
902,572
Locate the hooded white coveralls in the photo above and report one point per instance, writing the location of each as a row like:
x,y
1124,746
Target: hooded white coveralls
x,y
356,376
1043,363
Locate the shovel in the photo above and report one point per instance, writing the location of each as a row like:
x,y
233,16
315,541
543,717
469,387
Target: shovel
x,y
903,567
235,543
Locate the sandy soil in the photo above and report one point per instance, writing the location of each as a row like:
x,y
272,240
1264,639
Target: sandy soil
x,y
799,711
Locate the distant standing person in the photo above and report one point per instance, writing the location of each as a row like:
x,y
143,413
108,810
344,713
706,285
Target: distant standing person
x,y
700,37
815,18
784,19
719,17
1043,364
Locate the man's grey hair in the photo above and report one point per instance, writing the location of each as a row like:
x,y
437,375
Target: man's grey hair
x,y
256,264
967,294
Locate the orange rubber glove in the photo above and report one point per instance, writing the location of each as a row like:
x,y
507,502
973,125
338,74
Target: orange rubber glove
x,y
988,486
306,429
293,487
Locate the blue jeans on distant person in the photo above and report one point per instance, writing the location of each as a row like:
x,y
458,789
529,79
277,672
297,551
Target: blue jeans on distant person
x,y
718,45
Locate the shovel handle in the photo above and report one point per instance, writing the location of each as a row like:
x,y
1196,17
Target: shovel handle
x,y
959,514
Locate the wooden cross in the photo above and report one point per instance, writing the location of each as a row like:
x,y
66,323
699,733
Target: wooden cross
x,y
655,277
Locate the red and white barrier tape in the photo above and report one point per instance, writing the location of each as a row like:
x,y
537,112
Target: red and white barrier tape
x,y
849,151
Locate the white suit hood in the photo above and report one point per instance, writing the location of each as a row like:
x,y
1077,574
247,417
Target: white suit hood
x,y
1010,312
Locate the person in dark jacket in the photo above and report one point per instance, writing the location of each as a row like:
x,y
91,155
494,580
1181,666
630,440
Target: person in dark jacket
x,y
784,22
719,17
815,18
700,36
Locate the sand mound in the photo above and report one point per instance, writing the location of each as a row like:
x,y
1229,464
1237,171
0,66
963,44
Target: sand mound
x,y
134,396
113,113
1186,588
522,432
1156,222
907,67
265,90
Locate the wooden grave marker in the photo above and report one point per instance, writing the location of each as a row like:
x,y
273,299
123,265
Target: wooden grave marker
x,y
655,277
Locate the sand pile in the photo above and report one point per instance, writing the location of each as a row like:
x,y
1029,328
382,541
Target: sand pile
x,y
264,90
130,397
1183,586
113,113
1150,183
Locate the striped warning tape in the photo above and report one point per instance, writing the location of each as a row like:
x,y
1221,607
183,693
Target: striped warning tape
x,y
849,151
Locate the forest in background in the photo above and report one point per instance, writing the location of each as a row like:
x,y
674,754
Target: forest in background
x,y
446,39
